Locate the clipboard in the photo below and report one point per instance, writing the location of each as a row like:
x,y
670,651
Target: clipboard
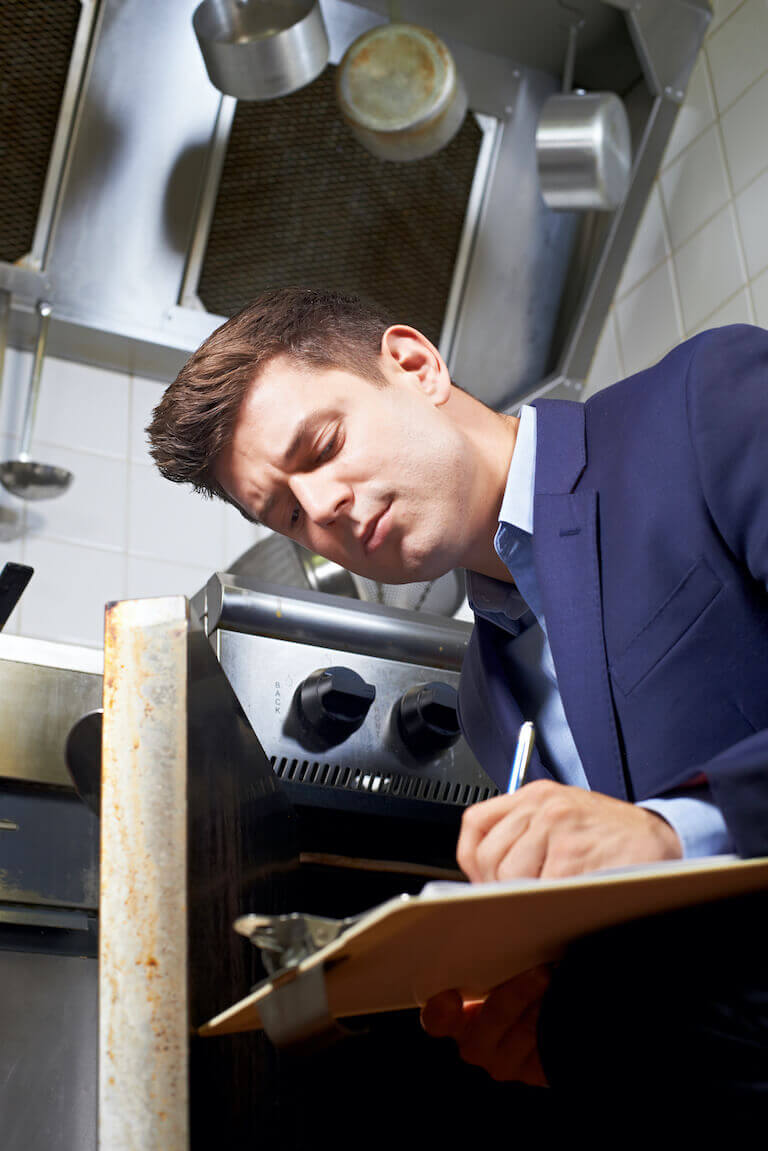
x,y
470,937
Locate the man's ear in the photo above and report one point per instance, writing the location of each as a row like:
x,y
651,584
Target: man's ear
x,y
406,350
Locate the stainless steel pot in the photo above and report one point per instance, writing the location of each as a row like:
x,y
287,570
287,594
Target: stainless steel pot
x,y
400,93
583,151
261,49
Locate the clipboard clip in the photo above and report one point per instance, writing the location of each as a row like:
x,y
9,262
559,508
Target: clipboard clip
x,y
295,1014
285,941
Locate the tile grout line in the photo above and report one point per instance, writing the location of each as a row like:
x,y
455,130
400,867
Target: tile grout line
x,y
674,251
664,168
700,326
713,31
667,237
740,247
752,84
619,349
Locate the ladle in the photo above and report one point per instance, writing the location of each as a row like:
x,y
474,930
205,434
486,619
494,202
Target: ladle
x,y
24,477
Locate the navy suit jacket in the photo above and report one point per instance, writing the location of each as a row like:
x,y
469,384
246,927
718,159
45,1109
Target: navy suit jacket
x,y
651,550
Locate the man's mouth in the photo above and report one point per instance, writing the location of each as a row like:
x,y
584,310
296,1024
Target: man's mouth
x,y
376,530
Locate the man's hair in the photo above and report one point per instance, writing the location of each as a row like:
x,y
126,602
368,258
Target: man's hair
x,y
196,417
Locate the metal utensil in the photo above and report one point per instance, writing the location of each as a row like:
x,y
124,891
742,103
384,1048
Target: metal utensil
x,y
583,147
261,49
24,477
400,93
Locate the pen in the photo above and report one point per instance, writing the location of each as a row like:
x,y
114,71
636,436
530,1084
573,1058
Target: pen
x,y
525,742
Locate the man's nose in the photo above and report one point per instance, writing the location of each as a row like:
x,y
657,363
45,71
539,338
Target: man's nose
x,y
323,498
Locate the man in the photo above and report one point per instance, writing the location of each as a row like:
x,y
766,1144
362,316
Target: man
x,y
617,557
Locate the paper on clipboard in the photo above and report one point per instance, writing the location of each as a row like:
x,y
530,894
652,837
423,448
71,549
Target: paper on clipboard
x,y
474,936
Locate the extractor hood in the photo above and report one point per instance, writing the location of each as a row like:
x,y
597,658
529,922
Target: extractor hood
x,y
138,159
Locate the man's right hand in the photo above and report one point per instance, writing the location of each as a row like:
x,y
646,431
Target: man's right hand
x,y
499,1033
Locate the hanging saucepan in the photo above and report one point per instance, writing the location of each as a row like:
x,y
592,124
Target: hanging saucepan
x,y
261,49
398,90
583,148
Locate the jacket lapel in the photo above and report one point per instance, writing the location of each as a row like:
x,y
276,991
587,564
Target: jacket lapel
x,y
566,556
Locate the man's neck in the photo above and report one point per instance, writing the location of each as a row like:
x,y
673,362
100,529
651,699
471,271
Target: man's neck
x,y
495,435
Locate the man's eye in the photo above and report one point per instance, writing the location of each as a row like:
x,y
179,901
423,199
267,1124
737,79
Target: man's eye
x,y
295,515
328,448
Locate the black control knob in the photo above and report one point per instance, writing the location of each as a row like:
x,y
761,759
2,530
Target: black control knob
x,y
427,718
334,701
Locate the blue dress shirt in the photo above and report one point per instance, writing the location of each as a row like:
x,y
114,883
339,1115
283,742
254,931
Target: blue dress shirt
x,y
517,609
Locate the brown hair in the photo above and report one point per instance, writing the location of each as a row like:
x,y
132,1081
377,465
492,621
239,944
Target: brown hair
x,y
196,417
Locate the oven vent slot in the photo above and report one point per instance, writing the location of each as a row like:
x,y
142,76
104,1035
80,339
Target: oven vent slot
x,y
336,775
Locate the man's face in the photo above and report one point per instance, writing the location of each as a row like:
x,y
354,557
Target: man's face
x,y
373,478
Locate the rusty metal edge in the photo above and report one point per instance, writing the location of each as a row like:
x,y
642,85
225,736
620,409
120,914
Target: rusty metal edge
x,y
143,1001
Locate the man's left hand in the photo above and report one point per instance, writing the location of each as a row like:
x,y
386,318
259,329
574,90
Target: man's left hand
x,y
498,1034
549,830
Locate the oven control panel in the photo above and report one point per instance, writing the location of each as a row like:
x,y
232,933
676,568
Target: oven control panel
x,y
354,721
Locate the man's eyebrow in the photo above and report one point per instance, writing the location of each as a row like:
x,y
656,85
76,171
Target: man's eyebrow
x,y
303,428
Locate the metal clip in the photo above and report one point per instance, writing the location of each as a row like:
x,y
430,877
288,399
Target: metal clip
x,y
295,1013
286,940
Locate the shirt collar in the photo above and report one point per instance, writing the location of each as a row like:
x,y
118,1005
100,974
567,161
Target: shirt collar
x,y
517,504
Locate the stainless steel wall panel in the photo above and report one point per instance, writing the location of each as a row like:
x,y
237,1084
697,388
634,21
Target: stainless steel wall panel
x,y
44,689
48,1054
502,343
132,181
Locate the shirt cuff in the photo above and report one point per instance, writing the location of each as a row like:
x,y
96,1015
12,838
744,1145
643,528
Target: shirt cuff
x,y
698,822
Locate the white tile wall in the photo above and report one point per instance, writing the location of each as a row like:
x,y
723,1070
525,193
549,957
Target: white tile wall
x,y
82,408
760,298
65,598
650,246
700,257
146,578
647,320
709,268
721,10
751,212
120,530
93,510
736,51
145,394
746,148
694,186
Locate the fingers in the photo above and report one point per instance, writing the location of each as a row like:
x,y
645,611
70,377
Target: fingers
x,y
442,1016
476,825
501,839
502,1038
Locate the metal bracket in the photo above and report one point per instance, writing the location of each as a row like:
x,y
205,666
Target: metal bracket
x,y
286,940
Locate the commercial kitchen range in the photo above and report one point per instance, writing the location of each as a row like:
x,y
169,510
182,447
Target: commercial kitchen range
x,y
227,784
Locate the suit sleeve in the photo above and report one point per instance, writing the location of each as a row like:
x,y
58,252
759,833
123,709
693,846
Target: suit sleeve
x,y
727,396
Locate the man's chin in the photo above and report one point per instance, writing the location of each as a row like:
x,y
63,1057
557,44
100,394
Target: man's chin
x,y
412,571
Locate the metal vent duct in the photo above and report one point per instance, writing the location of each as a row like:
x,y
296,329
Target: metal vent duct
x,y
300,202
36,41
127,215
